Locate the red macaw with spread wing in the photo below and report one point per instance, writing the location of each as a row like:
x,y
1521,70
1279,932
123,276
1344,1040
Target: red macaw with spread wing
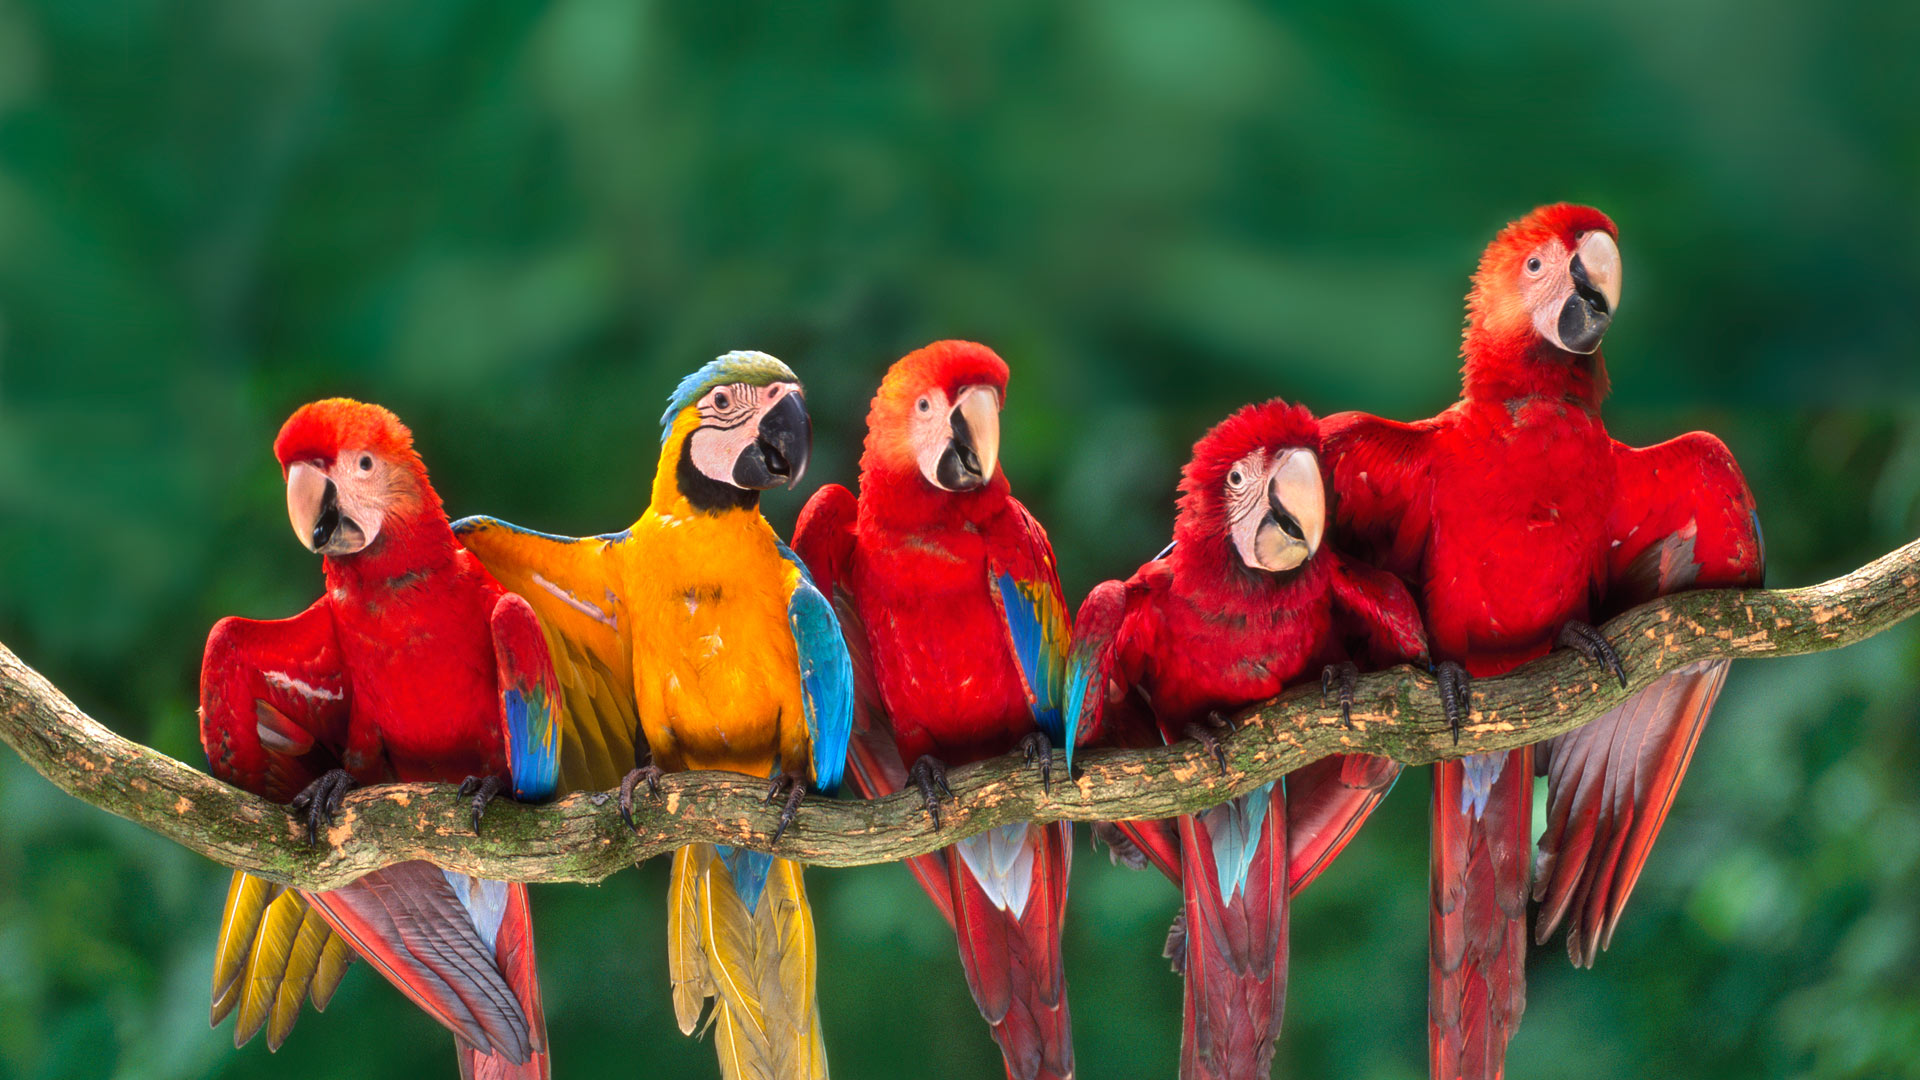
x,y
415,665
1520,522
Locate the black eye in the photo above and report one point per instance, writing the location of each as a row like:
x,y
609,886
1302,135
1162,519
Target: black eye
x,y
1533,265
366,462
1235,478
925,405
720,400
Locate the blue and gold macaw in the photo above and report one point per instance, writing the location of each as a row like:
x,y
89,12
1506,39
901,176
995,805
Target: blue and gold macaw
x,y
697,628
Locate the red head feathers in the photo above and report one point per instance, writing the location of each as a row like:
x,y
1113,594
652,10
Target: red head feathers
x,y
355,486
1542,298
934,430
1254,483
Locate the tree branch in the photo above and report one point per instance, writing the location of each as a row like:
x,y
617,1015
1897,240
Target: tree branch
x,y
581,838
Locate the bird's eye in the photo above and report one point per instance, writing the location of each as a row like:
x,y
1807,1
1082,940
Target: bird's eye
x,y
366,462
925,405
721,401
1235,478
1533,265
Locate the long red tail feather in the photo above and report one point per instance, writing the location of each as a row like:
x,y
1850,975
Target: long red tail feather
x,y
1236,953
1478,921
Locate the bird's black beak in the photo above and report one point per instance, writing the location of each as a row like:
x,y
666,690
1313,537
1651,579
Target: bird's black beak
x,y
780,449
1585,316
973,448
328,523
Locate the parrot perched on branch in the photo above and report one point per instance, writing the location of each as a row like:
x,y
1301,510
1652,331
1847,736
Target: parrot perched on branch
x,y
947,585
700,626
1519,522
414,665
1246,603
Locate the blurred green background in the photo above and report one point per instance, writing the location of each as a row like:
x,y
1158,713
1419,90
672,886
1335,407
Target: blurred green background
x,y
517,224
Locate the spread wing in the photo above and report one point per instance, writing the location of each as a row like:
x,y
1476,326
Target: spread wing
x,y
273,717
1684,519
826,674
1378,474
571,585
530,699
1026,586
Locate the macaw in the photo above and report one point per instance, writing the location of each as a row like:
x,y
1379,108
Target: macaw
x,y
701,627
1246,603
947,585
1519,521
414,665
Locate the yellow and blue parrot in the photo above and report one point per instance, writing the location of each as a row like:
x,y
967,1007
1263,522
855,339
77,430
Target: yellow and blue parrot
x,y
700,630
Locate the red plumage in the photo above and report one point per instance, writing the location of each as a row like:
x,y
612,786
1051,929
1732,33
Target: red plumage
x,y
1513,514
916,570
393,675
1205,630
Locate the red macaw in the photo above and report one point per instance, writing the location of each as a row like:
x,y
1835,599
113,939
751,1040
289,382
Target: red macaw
x,y
1519,521
1246,603
947,585
414,665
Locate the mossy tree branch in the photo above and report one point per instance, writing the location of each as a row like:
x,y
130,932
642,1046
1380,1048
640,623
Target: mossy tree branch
x,y
581,838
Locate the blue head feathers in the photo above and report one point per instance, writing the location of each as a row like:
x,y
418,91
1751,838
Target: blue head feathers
x,y
744,366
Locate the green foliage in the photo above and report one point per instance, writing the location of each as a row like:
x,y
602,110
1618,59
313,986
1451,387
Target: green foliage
x,y
518,224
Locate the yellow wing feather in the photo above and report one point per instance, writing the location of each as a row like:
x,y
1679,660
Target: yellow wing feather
x,y
302,961
247,899
759,968
335,957
573,588
267,963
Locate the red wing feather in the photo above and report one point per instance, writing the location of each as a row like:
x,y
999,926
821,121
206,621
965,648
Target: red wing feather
x,y
1327,802
407,920
273,702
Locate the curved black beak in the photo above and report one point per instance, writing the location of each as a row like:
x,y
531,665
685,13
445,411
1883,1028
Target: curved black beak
x,y
1585,316
960,468
780,448
328,523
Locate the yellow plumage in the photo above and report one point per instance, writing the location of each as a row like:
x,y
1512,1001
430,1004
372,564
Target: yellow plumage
x,y
757,967
274,952
677,634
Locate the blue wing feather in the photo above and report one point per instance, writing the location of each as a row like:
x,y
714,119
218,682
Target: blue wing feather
x,y
826,676
533,748
1037,625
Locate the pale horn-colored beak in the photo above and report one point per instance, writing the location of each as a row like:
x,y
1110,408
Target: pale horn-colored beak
x,y
306,494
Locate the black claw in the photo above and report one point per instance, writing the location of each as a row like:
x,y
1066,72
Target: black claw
x,y
1594,645
650,774
1038,750
795,789
319,802
482,790
1207,735
1343,678
929,774
1456,694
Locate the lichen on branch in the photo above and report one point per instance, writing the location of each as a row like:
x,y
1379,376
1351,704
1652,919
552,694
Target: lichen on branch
x,y
1396,713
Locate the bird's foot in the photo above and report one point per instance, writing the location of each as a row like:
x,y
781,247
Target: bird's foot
x,y
319,802
929,774
1593,645
794,787
1038,750
646,774
1121,850
1209,733
1339,681
1456,694
482,790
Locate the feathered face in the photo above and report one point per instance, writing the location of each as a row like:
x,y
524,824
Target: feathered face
x,y
1556,272
1255,480
350,469
752,431
938,414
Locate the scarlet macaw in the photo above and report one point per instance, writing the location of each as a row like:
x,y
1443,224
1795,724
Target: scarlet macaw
x,y
1246,603
700,626
413,665
1519,521
948,585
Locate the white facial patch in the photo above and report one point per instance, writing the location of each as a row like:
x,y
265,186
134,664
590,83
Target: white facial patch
x,y
929,431
729,423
